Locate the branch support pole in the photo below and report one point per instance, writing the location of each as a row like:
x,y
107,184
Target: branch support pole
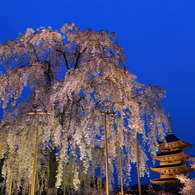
x,y
2,137
106,155
106,151
1,143
138,168
33,185
10,185
121,172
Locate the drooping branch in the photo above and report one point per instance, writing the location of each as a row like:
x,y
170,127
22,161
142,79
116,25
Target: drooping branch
x,y
34,49
48,73
78,57
65,58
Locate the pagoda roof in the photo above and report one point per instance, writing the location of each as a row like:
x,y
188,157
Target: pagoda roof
x,y
169,152
171,142
173,168
162,181
169,138
172,156
171,165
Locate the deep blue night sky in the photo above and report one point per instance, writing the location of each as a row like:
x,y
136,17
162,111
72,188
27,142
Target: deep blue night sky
x,y
158,37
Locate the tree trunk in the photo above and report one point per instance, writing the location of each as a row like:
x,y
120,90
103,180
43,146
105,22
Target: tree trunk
x,y
52,190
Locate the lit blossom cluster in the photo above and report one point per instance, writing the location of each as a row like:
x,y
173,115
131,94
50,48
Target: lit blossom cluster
x,y
74,79
189,183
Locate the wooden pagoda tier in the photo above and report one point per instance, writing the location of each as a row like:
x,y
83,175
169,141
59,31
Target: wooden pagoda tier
x,y
172,169
177,156
171,142
165,181
171,159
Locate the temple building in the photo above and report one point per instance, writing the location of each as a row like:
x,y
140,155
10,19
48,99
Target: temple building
x,y
171,159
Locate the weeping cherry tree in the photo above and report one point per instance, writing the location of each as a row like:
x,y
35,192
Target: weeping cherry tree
x,y
69,79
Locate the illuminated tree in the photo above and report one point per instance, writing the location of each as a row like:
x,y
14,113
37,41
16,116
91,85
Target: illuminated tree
x,y
72,77
189,183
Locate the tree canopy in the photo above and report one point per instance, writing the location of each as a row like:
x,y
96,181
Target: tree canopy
x,y
73,77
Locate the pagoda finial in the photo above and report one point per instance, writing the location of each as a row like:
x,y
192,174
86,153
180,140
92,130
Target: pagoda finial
x,y
170,123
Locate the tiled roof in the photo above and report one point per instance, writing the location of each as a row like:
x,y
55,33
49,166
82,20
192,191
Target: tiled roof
x,y
170,138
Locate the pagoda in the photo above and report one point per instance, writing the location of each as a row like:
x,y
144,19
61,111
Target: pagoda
x,y
171,159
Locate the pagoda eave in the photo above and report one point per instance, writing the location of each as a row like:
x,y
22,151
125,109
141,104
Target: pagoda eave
x,y
172,169
172,157
164,181
180,144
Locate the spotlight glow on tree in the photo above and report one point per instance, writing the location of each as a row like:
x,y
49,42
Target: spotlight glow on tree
x,y
75,76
